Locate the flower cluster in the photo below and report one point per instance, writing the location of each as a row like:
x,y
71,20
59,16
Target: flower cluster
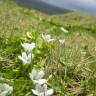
x,y
27,59
27,56
36,75
42,90
49,39
41,84
5,89
28,47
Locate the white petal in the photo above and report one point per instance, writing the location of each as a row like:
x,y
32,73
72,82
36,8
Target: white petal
x,y
43,36
42,94
6,89
4,93
33,74
30,58
49,92
50,40
40,81
28,47
45,87
25,46
31,47
24,56
35,92
62,41
40,74
47,36
24,61
20,58
64,30
28,34
39,88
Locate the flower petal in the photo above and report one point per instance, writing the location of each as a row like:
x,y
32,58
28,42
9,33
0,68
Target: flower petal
x,y
4,93
35,92
47,38
28,47
63,30
31,47
6,89
28,34
40,81
50,40
39,88
24,55
24,61
25,46
62,41
33,74
30,58
40,74
49,92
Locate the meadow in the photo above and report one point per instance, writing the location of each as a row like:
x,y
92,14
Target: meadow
x,y
69,65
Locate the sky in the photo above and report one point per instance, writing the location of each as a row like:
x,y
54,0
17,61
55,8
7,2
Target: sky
x,y
54,6
75,5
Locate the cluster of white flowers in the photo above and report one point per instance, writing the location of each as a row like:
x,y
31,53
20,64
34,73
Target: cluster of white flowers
x,y
41,84
28,47
36,75
49,39
27,59
42,90
5,89
27,56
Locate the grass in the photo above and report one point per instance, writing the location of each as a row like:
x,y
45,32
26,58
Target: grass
x,y
74,70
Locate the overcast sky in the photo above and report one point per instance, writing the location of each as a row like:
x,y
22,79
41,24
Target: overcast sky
x,y
87,6
76,5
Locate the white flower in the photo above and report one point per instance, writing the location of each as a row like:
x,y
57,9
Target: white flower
x,y
27,59
1,78
47,38
37,75
5,89
62,41
28,47
28,34
42,90
64,30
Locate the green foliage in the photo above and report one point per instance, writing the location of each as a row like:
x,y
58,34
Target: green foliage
x,y
72,65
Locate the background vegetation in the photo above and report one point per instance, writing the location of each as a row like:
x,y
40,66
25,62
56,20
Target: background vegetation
x,y
74,70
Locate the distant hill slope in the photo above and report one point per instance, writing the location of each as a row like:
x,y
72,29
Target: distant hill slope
x,y
42,6
76,18
13,17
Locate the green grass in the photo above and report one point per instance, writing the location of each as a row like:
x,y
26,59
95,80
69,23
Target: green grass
x,y
77,79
